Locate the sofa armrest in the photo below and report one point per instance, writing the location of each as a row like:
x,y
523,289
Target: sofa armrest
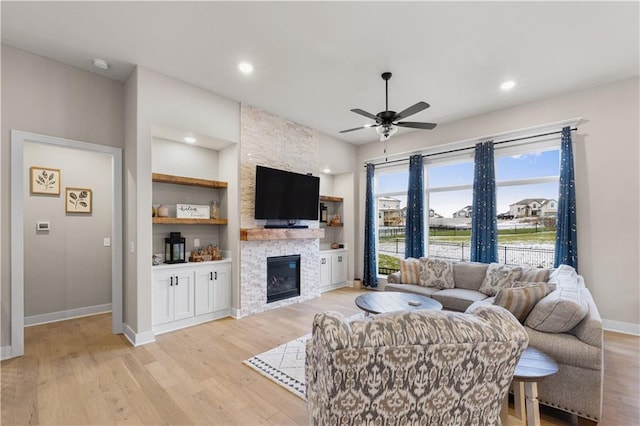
x,y
589,330
394,278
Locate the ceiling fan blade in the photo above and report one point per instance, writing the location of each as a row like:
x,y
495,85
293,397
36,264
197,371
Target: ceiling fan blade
x,y
416,125
413,109
365,113
357,128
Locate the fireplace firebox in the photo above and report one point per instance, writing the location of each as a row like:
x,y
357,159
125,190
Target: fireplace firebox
x,y
283,277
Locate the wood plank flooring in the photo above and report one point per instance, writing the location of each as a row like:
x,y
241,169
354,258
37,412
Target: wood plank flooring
x,y
77,372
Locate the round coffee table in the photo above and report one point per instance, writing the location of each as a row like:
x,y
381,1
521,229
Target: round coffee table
x,y
379,302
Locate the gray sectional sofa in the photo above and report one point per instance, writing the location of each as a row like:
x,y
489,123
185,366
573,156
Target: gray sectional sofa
x,y
564,324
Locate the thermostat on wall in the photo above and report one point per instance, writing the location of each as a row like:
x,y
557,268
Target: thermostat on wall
x,y
42,226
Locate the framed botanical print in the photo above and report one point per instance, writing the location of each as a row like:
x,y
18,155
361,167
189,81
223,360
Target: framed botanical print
x,y
45,180
78,200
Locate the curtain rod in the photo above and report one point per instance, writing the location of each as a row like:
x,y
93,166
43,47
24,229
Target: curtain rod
x,y
472,147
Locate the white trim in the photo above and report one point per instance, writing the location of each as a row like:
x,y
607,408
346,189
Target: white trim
x,y
17,223
5,353
65,315
138,339
621,327
189,322
235,312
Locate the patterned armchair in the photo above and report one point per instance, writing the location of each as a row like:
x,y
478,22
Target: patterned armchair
x,y
412,368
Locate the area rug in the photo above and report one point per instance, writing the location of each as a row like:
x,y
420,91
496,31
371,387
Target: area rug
x,y
285,364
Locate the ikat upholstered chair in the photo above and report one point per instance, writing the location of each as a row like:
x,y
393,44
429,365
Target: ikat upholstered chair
x,y
412,368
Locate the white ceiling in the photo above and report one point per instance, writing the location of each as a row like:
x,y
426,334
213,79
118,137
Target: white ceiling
x,y
314,61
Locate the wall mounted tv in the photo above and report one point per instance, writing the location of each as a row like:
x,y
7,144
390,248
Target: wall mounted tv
x,y
286,195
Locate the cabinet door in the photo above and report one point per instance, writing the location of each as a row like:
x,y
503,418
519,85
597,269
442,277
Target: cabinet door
x,y
325,269
204,290
222,287
339,268
163,296
183,305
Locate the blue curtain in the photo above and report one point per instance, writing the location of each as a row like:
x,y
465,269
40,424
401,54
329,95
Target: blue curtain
x,y
484,222
370,278
566,230
414,228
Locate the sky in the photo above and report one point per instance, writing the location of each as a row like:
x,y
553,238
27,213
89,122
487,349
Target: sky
x,y
445,203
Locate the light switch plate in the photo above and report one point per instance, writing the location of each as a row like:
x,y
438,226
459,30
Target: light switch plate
x,y
107,242
42,226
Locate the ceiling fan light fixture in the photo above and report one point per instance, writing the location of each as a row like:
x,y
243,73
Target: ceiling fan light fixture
x,y
386,131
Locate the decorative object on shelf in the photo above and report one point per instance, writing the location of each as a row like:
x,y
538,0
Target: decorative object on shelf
x,y
174,248
204,254
45,180
162,211
335,245
324,214
335,219
215,209
192,211
78,200
153,211
156,260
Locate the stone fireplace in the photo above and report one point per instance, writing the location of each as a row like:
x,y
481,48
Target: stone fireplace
x,y
283,277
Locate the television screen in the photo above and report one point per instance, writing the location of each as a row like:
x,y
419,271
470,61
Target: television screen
x,y
286,195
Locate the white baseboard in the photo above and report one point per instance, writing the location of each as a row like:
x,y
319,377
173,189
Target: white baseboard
x,y
65,315
621,327
235,313
138,339
336,286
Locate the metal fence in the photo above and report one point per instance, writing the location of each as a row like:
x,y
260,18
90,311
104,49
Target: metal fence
x,y
535,257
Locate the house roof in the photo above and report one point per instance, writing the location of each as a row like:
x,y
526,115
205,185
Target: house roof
x,y
527,201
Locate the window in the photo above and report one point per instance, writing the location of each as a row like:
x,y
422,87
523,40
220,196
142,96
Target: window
x,y
527,178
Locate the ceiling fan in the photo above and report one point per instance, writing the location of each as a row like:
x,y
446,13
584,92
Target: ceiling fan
x,y
387,122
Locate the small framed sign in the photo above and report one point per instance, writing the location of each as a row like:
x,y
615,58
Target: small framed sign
x,y
192,211
78,200
45,180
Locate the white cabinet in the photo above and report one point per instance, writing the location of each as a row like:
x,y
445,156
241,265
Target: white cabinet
x,y
213,289
333,269
173,295
190,293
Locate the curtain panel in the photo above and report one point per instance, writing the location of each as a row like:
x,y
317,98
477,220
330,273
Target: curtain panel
x,y
414,223
370,277
566,250
484,222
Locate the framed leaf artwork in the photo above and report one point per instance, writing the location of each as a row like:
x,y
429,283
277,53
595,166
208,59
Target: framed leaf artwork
x,y
45,180
78,200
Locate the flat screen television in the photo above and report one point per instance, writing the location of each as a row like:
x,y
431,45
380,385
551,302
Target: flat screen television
x,y
286,195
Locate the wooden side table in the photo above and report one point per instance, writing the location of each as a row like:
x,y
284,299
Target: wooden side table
x,y
534,365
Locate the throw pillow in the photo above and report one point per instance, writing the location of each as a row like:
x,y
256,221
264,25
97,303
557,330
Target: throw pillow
x,y
535,275
520,299
409,271
436,273
499,276
559,311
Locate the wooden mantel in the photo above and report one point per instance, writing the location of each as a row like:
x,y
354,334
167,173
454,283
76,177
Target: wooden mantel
x,y
264,234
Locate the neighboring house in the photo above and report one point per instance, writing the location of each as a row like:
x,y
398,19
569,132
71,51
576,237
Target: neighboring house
x,y
433,214
533,207
390,213
465,212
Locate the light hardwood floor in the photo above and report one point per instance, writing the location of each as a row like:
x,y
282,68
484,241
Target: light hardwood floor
x,y
77,372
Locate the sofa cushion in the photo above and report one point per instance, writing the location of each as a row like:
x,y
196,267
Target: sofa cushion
x,y
409,271
469,275
565,276
520,299
535,275
457,299
436,273
411,288
559,311
499,276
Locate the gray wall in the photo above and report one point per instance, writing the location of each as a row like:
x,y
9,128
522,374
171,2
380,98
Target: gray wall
x,y
606,162
44,96
68,267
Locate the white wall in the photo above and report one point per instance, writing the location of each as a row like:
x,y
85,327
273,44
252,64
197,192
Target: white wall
x,y
50,98
607,180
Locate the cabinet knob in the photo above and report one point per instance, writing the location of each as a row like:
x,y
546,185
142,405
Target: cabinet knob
x,y
171,283
176,280
324,261
339,258
216,275
210,276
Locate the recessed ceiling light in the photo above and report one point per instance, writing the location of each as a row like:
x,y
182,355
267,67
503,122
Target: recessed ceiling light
x,y
100,63
189,139
245,67
326,170
508,85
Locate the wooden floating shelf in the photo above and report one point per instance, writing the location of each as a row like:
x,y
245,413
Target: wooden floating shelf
x,y
181,180
333,224
330,198
188,221
264,234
